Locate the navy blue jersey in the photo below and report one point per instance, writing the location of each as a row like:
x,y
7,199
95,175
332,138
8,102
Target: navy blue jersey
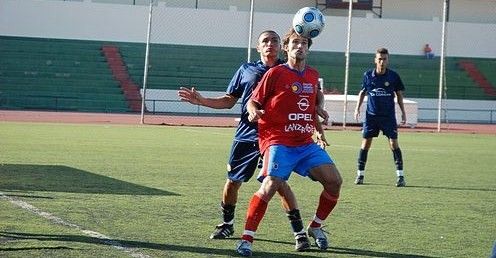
x,y
381,90
241,86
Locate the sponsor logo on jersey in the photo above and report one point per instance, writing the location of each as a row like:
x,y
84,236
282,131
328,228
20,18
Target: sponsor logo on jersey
x,y
305,88
379,92
307,128
303,104
300,117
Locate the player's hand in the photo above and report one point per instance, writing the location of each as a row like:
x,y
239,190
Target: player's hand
x,y
323,113
321,140
190,95
255,115
357,115
403,118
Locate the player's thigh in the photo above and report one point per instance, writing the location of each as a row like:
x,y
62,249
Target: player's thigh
x,y
243,161
312,156
370,128
390,128
278,161
328,175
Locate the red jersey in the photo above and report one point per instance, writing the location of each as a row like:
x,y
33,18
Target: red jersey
x,y
288,98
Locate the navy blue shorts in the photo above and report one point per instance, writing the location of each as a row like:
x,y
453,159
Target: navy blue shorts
x,y
243,161
374,124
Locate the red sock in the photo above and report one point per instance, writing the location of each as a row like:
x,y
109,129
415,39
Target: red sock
x,y
255,214
327,202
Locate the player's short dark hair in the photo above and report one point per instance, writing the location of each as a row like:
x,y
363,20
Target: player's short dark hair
x,y
269,31
382,51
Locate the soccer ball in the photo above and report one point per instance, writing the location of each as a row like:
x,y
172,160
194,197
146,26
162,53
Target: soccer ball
x,y
308,22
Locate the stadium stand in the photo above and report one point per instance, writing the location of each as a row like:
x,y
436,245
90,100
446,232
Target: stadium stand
x,y
55,74
211,68
119,70
478,77
80,75
171,66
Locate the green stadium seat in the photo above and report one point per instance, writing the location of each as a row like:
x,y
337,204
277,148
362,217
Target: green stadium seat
x,y
74,75
57,74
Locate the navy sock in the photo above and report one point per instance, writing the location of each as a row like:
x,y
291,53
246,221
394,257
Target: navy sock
x,y
398,159
362,159
295,220
227,212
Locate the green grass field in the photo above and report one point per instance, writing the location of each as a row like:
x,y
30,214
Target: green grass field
x,y
154,191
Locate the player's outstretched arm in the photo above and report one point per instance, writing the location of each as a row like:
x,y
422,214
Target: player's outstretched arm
x,y
190,95
194,97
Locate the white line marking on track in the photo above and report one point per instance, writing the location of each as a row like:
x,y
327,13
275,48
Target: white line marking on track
x,y
107,240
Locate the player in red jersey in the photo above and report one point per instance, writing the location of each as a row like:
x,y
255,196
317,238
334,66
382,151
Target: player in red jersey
x,y
284,104
244,157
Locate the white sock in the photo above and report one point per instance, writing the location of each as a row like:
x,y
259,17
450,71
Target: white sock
x,y
317,220
399,172
360,172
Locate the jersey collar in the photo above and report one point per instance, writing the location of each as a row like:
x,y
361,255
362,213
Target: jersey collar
x,y
374,74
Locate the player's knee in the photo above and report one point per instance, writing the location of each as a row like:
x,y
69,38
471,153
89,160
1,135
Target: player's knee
x,y
269,187
333,182
233,185
283,189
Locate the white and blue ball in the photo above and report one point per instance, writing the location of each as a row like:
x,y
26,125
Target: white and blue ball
x,y
308,22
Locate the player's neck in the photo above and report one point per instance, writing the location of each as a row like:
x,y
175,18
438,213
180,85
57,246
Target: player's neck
x,y
296,64
380,71
269,61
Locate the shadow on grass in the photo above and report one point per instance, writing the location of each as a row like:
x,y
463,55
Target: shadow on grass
x,y
197,249
56,178
13,249
351,251
361,252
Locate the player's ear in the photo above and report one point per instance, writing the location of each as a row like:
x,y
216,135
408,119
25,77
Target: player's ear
x,y
285,48
258,48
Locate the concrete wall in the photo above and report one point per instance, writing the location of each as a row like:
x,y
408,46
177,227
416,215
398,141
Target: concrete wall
x,y
418,110
128,23
477,11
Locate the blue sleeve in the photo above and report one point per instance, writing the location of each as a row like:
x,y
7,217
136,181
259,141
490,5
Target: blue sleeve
x,y
399,84
235,88
364,82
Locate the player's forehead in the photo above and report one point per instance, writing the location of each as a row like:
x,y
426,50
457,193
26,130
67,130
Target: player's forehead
x,y
265,36
297,38
380,56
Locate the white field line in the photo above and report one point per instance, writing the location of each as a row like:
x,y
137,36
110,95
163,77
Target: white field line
x,y
107,240
204,131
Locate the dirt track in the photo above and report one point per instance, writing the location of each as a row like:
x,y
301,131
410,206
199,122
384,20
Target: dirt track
x,y
107,118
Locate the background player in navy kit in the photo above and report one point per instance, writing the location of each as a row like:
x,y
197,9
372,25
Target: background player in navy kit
x,y
245,152
381,85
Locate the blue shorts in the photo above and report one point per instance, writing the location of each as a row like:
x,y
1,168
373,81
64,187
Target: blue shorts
x,y
280,161
374,124
243,161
